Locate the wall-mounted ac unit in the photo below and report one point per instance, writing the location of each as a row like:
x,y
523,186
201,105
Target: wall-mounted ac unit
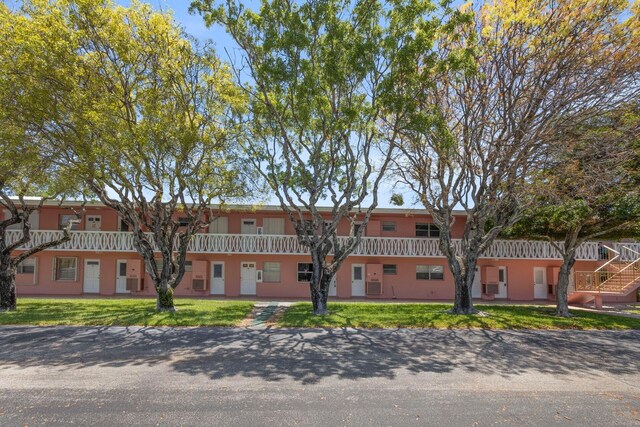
x,y
259,230
199,285
199,275
135,272
258,276
374,288
373,285
492,289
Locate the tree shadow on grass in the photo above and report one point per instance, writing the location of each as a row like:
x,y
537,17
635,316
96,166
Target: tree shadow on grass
x,y
308,356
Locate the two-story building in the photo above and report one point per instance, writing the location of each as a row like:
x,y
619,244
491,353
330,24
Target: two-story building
x,y
255,252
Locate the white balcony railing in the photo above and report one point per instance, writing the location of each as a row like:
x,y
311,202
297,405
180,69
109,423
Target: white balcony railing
x,y
106,241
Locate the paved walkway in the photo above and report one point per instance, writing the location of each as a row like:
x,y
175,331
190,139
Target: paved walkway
x,y
239,376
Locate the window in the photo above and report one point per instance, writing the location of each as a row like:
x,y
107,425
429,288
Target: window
x,y
389,269
356,228
188,266
64,220
273,226
28,266
65,268
123,225
271,272
429,272
219,225
183,221
389,226
427,230
304,271
122,269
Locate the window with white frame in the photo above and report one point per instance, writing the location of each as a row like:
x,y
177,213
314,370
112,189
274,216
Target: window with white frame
x,y
64,220
28,266
389,269
65,268
271,272
219,225
388,226
427,230
304,271
429,272
273,226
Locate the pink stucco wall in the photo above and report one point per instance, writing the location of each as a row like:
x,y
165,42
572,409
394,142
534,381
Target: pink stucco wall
x,y
402,285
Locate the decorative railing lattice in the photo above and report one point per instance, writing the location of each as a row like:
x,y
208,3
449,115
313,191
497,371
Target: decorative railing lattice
x,y
288,245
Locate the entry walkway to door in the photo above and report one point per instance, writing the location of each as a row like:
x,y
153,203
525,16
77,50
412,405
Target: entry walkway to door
x,y
264,311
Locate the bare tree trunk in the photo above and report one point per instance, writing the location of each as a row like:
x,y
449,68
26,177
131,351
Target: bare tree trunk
x,y
463,269
7,284
319,285
562,303
463,304
165,297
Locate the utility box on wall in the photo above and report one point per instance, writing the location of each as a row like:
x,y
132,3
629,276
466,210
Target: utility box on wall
x,y
135,273
374,279
199,275
490,277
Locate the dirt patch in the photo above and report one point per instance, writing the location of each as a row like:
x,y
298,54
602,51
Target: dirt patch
x,y
272,321
247,321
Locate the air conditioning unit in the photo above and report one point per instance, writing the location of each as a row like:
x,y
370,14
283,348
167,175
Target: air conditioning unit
x,y
258,276
259,230
199,275
199,285
134,278
492,289
374,288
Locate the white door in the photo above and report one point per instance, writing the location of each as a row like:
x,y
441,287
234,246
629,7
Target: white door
x,y
248,226
121,277
91,276
94,223
476,289
539,283
357,280
333,287
502,282
248,278
217,278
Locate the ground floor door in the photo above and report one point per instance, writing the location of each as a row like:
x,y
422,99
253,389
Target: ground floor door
x,y
91,283
247,278
476,289
333,287
357,280
502,283
217,278
540,283
121,277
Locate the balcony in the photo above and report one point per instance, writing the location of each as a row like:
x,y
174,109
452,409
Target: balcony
x,y
97,241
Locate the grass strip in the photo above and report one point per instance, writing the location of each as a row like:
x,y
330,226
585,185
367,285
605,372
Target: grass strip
x,y
125,312
385,315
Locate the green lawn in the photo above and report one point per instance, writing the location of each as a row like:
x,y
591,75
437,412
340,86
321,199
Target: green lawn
x,y
125,312
372,315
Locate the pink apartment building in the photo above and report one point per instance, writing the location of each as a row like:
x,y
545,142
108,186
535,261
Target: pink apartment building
x,y
255,252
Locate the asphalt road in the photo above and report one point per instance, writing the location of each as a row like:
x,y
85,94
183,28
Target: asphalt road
x,y
218,377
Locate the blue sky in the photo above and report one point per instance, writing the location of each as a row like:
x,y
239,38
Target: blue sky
x,y
193,24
